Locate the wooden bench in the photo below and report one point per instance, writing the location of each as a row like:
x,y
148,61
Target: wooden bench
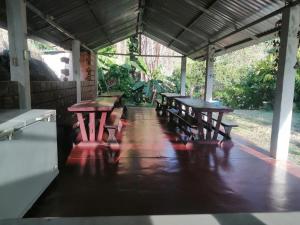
x,y
227,126
160,107
186,123
113,126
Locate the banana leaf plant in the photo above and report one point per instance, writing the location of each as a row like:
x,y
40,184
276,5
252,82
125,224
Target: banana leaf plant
x,y
147,91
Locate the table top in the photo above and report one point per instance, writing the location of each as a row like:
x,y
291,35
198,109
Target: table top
x,y
103,104
172,95
200,105
112,94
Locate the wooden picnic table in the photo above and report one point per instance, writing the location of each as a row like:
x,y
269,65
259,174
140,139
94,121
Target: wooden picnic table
x,y
118,94
102,105
112,94
168,98
200,108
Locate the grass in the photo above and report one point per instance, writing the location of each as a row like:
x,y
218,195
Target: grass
x,y
256,125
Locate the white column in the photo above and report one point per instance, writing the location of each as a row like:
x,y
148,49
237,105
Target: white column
x,y
76,67
96,71
283,108
209,74
18,50
183,75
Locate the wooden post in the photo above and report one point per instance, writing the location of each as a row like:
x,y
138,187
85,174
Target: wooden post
x,y
283,108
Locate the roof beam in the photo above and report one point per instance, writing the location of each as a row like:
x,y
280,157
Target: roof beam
x,y
139,22
244,43
70,11
162,42
190,23
230,23
202,37
114,41
66,13
49,20
166,34
118,32
203,11
117,25
88,2
142,55
270,15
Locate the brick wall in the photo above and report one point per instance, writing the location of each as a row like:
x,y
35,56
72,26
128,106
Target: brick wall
x,y
88,90
46,94
87,66
52,94
9,97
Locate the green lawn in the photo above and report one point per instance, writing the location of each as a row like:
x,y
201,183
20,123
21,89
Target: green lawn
x,y
255,126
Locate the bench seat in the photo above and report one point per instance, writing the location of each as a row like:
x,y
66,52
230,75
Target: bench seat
x,y
186,123
226,124
160,106
113,126
189,124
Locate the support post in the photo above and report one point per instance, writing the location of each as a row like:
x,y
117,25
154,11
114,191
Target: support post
x,y
183,75
96,73
209,74
283,108
76,67
18,49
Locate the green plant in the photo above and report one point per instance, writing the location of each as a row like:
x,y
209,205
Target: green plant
x,y
258,85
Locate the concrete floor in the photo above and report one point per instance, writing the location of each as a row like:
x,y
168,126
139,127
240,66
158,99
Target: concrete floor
x,y
157,174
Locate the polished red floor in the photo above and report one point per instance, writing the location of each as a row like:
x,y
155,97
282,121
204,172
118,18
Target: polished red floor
x,y
157,174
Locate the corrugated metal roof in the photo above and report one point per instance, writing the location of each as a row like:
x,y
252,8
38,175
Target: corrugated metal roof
x,y
186,26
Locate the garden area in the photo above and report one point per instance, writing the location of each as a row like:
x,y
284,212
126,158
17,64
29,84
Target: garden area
x,y
244,80
256,125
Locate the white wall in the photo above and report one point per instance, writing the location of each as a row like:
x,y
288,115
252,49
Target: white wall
x,y
55,64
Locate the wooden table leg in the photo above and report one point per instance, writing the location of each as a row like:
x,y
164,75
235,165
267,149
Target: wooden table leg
x,y
101,126
82,126
200,125
209,125
92,126
218,125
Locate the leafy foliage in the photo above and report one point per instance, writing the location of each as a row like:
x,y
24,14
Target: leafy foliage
x,y
257,86
194,79
120,78
124,77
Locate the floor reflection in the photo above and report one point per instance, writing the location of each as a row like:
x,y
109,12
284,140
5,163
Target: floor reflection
x,y
155,173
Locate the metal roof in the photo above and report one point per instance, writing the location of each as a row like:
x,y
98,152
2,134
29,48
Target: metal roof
x,y
186,26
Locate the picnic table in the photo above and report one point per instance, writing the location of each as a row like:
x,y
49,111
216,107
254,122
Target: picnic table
x,y
198,108
168,98
103,106
167,101
118,94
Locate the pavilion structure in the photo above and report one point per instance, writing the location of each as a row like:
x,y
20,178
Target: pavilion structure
x,y
199,30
